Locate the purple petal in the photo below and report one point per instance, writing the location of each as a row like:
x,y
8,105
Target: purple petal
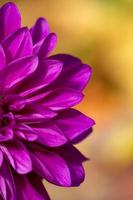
x,y
18,157
52,167
35,113
15,102
25,132
16,71
30,188
18,45
7,185
6,134
10,19
48,45
73,123
79,73
74,161
2,58
46,72
62,98
49,135
40,30
1,158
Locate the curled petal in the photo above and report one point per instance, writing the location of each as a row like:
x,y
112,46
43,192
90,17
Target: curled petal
x,y
18,45
48,45
79,73
10,19
40,30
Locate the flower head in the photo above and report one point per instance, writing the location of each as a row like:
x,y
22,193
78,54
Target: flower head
x,y
38,127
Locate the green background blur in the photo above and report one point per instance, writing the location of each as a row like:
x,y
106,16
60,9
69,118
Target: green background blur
x,y
100,32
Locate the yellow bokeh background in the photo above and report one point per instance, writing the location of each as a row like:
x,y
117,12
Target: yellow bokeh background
x,y
100,32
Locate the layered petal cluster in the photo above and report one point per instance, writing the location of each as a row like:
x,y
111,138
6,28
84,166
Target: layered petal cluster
x,y
38,126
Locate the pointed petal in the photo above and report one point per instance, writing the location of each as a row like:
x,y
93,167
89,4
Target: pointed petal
x,y
18,45
79,73
10,19
74,161
40,30
48,45
73,123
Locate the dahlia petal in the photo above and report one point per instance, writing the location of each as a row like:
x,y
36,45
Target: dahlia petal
x,y
79,73
18,157
62,98
18,44
74,161
73,123
18,70
35,113
40,30
82,136
7,185
25,132
48,45
2,58
6,134
52,167
27,190
10,19
16,102
50,136
46,72
1,158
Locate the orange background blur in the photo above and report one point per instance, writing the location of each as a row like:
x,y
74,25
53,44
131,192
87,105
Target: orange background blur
x,y
100,32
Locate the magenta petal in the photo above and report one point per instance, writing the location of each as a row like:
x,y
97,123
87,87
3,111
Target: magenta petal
x,y
18,157
10,19
49,135
35,113
62,98
2,58
79,73
73,123
74,161
40,30
18,45
25,132
30,188
1,158
16,71
15,102
46,72
52,167
6,134
48,45
7,185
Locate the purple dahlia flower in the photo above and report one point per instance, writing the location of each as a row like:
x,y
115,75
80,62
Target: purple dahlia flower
x,y
38,127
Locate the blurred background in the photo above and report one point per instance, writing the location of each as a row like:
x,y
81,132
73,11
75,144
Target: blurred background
x,y
100,32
